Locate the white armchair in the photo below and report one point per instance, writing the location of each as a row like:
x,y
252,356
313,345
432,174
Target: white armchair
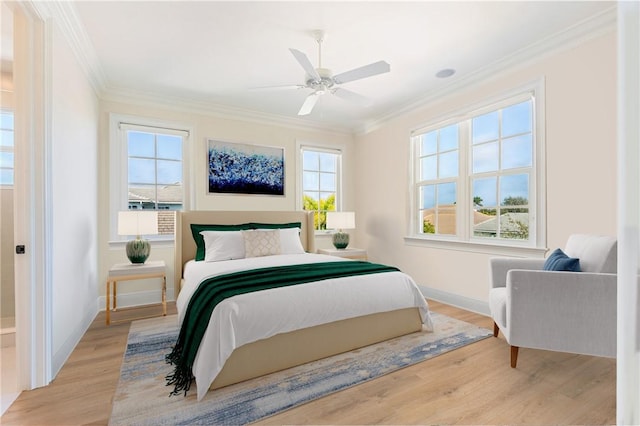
x,y
559,311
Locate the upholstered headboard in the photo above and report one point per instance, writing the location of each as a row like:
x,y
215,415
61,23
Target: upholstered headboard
x,y
185,246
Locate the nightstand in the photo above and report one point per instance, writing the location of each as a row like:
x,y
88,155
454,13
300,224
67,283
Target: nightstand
x,y
349,253
130,271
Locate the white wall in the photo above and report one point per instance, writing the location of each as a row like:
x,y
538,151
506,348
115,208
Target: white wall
x,y
74,186
581,167
206,126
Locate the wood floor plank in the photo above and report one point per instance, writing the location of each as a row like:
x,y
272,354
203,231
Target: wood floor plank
x,y
470,385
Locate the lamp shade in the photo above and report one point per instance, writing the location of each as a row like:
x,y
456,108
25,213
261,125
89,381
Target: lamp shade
x,y
341,220
133,222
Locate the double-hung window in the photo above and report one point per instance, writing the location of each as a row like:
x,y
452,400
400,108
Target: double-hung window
x,y
6,148
477,177
320,182
150,166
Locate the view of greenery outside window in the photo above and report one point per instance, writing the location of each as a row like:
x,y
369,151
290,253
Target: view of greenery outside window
x,y
320,183
502,166
6,148
155,175
474,177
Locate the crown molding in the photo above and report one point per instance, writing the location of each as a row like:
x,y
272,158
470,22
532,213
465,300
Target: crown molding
x,y
571,37
204,107
64,14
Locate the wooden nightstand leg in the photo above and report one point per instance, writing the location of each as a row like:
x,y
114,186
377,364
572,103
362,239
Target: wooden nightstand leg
x,y
108,308
115,292
164,296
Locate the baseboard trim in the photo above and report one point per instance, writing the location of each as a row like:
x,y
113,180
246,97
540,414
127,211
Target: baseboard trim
x,y
62,354
473,305
139,298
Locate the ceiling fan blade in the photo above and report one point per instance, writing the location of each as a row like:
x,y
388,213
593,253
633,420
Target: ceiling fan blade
x,y
375,68
350,96
308,104
285,87
306,64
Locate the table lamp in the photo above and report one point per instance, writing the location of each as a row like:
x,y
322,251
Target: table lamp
x,y
134,222
341,221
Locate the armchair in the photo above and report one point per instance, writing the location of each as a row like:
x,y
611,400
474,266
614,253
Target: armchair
x,y
556,310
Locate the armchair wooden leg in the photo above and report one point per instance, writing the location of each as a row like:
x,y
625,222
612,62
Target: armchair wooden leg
x,y
496,330
514,356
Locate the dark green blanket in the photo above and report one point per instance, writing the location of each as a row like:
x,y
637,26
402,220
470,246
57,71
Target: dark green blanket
x,y
214,290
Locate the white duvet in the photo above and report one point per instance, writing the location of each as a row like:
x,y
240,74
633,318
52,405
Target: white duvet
x,y
250,317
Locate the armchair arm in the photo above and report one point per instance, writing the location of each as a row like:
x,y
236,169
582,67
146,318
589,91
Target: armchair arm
x,y
501,265
562,311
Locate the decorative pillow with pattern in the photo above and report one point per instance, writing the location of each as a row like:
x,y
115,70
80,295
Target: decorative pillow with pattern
x,y
259,243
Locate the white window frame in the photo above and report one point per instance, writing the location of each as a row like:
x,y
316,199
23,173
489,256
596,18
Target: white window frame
x,y
118,177
10,149
339,151
464,239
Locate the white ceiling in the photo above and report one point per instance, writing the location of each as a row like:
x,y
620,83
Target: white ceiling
x,y
214,53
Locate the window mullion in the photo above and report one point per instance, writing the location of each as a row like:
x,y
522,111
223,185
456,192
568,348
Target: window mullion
x,y
465,216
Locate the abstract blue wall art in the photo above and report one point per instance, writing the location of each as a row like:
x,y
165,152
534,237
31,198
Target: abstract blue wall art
x,y
238,168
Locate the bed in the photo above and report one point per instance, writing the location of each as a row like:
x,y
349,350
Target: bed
x,y
317,326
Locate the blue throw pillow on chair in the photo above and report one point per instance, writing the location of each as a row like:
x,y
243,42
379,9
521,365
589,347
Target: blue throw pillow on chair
x,y
559,261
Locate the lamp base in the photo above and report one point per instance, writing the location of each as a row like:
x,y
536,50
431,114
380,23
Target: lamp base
x,y
340,240
138,250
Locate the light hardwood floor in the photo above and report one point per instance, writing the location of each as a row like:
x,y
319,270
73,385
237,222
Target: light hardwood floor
x,y
470,385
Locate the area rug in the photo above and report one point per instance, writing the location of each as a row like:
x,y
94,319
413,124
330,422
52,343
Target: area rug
x,y
143,399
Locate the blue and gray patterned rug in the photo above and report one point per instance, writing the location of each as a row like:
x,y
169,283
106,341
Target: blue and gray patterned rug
x,y
143,399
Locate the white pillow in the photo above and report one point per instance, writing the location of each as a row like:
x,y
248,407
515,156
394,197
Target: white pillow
x,y
259,243
223,245
290,241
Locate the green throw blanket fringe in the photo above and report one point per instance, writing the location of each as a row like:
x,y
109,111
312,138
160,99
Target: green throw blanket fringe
x,y
214,290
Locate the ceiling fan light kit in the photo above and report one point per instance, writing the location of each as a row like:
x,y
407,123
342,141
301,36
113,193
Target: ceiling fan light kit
x,y
322,81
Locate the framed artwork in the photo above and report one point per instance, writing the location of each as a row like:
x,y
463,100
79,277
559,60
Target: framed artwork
x,y
238,168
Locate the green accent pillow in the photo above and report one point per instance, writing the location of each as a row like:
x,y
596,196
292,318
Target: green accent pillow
x,y
199,239
197,228
559,261
257,225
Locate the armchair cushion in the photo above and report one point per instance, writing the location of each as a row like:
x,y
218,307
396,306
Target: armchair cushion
x,y
597,253
559,261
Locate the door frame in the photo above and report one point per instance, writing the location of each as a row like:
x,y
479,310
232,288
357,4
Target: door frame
x,y
32,200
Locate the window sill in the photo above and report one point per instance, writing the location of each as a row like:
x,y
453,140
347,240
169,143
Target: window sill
x,y
324,233
155,242
478,247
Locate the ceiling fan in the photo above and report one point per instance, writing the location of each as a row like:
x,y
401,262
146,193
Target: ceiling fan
x,y
322,81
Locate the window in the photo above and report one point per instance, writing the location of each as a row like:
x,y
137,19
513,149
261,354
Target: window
x,y
6,148
502,167
320,182
154,170
477,177
438,186
149,169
